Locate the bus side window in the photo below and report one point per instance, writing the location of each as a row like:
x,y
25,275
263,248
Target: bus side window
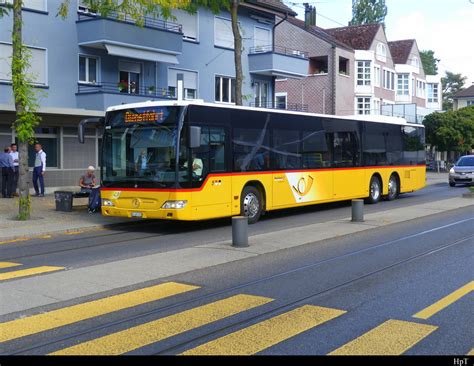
x,y
316,153
345,149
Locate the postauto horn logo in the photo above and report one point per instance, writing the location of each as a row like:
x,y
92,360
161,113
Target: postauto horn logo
x,y
301,186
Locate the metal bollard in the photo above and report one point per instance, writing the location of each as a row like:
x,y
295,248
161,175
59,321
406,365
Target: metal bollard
x,y
358,210
240,236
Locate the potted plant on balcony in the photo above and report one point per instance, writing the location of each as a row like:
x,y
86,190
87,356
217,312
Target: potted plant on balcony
x,y
122,86
151,90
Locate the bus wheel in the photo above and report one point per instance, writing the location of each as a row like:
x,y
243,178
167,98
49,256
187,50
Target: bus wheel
x,y
251,204
393,188
375,190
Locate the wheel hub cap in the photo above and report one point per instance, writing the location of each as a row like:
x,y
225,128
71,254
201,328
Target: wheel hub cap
x,y
251,205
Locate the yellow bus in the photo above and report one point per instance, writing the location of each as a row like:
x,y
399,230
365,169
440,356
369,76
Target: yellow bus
x,y
189,160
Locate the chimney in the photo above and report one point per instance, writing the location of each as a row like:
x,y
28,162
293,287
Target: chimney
x,y
309,15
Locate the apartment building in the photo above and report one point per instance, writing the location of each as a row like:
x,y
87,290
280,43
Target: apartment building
x,y
464,98
328,85
374,82
86,63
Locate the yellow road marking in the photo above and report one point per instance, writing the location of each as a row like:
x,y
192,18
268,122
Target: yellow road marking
x,y
75,313
392,337
471,352
157,330
445,301
28,272
14,240
267,333
8,264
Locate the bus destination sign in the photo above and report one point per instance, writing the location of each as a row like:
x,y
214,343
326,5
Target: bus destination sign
x,y
145,116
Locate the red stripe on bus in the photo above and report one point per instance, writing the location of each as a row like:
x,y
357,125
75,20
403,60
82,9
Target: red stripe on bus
x,y
252,174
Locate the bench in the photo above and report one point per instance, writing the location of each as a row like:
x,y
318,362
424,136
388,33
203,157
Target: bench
x,y
64,199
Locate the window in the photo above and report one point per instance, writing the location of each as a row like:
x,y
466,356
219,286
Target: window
x,y
388,80
433,93
381,53
281,100
129,77
470,102
211,152
223,36
363,72
363,105
190,80
316,153
83,8
262,39
29,4
286,149
402,84
88,69
420,89
318,65
382,144
261,91
251,149
189,22
413,86
48,137
224,89
377,76
376,106
415,62
38,62
344,66
345,149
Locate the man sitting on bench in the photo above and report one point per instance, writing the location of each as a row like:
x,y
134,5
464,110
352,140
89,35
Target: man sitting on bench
x,y
87,181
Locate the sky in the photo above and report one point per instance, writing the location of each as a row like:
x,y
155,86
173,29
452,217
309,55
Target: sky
x,y
444,26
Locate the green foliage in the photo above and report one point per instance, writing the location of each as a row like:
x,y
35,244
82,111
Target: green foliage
x,y
26,203
452,130
430,63
451,84
24,93
368,12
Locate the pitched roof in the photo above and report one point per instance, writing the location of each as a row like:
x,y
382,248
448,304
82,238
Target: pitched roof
x,y
275,5
401,50
359,37
465,93
320,33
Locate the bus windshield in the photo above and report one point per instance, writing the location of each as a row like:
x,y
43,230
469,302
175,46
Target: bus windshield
x,y
139,148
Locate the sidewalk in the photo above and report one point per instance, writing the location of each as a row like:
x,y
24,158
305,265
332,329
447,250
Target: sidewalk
x,y
27,293
46,220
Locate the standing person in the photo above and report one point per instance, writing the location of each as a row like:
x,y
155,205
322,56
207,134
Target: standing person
x,y
39,170
16,162
6,164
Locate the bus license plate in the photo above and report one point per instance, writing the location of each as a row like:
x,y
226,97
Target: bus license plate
x,y
136,214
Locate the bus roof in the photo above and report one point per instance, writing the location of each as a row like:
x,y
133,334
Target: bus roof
x,y
367,118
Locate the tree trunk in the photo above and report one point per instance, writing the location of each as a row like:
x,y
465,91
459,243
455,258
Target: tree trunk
x,y
237,51
17,40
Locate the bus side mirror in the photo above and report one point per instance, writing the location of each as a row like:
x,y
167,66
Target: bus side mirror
x,y
96,122
194,137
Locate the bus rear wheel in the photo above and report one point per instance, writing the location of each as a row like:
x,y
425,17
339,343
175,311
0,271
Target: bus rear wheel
x,y
393,188
251,204
375,190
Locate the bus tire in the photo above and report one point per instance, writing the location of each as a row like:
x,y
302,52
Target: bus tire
x,y
393,187
251,204
375,190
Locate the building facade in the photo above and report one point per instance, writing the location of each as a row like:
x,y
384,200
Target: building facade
x,y
464,98
85,63
328,86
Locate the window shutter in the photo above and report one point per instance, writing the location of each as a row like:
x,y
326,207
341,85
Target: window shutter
x,y
190,78
130,67
223,35
189,23
5,67
37,69
262,37
35,4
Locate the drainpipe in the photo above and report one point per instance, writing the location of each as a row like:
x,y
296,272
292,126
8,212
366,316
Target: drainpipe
x,y
273,47
334,71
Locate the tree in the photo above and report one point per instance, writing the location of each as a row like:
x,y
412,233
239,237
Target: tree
x,y
451,84
430,63
451,131
368,12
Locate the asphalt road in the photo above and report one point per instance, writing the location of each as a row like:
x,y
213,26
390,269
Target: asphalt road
x,y
399,289
148,237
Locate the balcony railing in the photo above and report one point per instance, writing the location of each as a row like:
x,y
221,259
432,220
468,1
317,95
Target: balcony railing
x,y
148,22
278,49
294,107
118,88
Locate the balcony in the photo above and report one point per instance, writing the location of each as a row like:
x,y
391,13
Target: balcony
x,y
100,96
278,61
154,40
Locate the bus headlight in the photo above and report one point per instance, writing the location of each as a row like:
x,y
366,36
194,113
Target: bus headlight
x,y
107,203
174,204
